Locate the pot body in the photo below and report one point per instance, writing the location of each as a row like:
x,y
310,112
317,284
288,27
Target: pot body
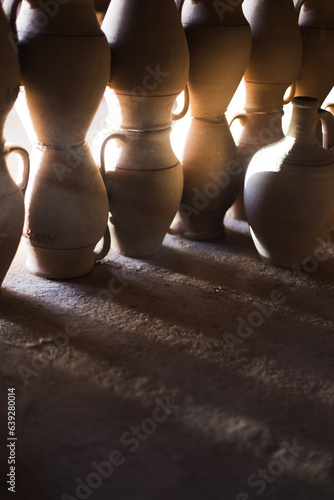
x,y
144,191
66,212
289,190
65,63
149,60
276,54
219,47
212,176
316,21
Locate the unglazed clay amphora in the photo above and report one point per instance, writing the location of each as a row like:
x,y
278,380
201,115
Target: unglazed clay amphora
x,y
65,64
144,190
11,197
276,54
316,21
149,69
289,190
149,60
219,43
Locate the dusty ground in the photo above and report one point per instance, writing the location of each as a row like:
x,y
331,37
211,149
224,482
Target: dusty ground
x,y
158,335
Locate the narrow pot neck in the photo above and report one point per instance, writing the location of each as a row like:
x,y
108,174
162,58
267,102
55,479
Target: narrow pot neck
x,y
304,120
305,148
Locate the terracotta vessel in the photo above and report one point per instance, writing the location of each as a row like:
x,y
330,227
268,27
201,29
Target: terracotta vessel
x,y
149,60
11,197
276,54
219,45
144,190
289,191
212,177
316,21
65,65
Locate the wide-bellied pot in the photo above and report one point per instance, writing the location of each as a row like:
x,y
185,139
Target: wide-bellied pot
x,y
65,63
144,189
289,188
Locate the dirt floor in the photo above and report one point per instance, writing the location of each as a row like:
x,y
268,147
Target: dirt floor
x,y
199,374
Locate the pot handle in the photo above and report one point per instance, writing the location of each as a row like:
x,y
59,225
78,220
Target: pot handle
x,y
291,93
327,121
184,111
239,116
100,254
298,6
24,155
180,7
10,9
115,135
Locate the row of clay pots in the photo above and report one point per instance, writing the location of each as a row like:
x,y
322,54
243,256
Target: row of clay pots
x,y
289,185
302,57
65,67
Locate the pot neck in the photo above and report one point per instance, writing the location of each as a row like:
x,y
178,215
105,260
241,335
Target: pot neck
x,y
304,119
302,132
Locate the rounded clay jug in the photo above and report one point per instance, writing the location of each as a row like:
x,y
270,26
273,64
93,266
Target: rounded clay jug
x,y
289,190
65,62
316,21
11,196
276,54
144,190
149,60
219,41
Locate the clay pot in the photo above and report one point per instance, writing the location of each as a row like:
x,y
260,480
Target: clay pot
x,y
212,177
259,130
316,21
144,190
150,60
276,54
65,67
67,212
219,45
289,191
11,197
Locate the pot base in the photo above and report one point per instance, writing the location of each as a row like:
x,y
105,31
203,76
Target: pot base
x,y
198,226
59,264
